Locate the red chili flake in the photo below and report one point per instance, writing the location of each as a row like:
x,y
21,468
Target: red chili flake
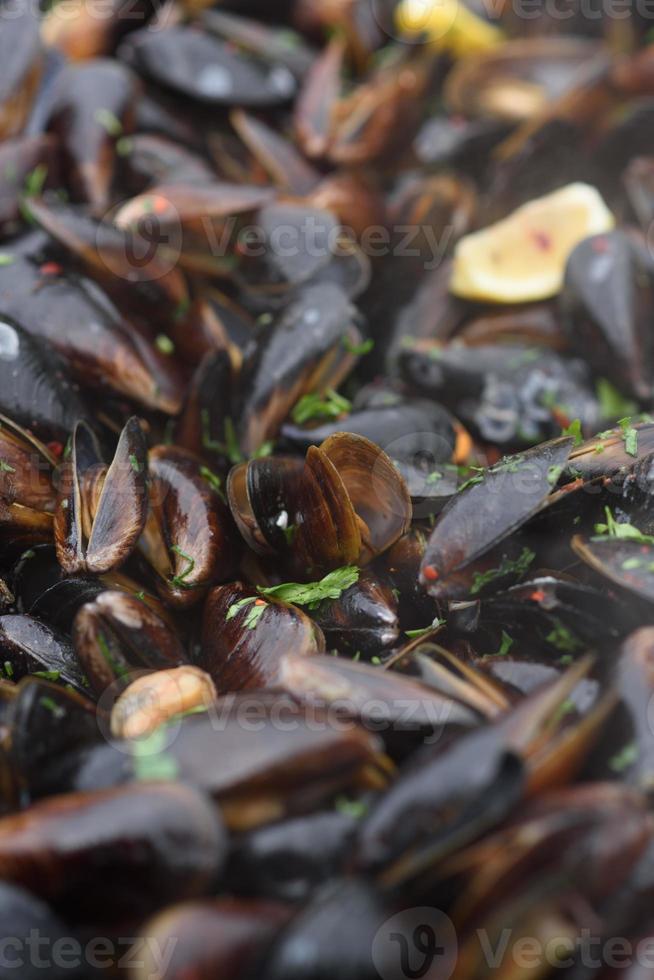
x,y
430,573
51,269
542,240
260,602
56,448
537,595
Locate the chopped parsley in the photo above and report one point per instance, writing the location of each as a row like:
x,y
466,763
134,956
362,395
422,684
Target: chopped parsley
x,y
624,759
414,634
179,580
625,532
574,430
629,436
109,122
562,638
311,594
254,614
517,566
359,349
505,645
313,406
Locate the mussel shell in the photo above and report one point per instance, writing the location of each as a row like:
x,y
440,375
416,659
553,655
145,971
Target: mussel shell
x,y
483,514
21,58
363,621
441,800
78,320
606,300
28,646
193,524
40,395
49,726
118,634
207,70
23,916
414,431
238,657
149,843
376,698
101,511
287,860
301,352
44,590
220,937
258,753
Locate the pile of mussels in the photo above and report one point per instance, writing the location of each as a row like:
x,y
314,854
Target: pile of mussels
x,y
326,491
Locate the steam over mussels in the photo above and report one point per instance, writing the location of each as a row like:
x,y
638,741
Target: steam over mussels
x,y
326,490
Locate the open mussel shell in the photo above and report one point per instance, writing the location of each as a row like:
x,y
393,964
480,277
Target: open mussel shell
x,y
239,653
101,510
118,635
149,843
378,493
207,70
347,503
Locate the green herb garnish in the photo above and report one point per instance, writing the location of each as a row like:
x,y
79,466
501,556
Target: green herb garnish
x,y
517,566
165,344
109,121
625,532
179,580
625,758
359,349
574,430
311,594
313,406
629,436
561,638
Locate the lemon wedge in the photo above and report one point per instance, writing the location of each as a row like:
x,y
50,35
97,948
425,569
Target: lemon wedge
x,y
523,257
447,25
